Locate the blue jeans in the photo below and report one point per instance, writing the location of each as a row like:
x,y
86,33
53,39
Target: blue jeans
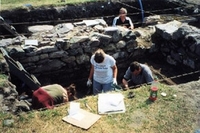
x,y
101,88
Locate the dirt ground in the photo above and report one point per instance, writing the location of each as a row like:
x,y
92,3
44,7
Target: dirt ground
x,y
187,86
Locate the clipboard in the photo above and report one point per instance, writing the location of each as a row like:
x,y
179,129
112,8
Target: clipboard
x,y
87,120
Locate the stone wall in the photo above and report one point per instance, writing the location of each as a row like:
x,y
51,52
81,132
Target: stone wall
x,y
180,44
61,54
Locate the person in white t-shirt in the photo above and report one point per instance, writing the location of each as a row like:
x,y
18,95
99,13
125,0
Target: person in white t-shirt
x,y
103,71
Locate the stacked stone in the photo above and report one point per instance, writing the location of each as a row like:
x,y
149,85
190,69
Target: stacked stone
x,y
179,43
67,48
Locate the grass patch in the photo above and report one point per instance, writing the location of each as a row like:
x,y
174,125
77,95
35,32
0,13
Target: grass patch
x,y
166,114
3,80
13,4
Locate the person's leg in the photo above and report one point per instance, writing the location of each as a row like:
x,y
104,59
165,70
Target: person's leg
x,y
107,87
97,87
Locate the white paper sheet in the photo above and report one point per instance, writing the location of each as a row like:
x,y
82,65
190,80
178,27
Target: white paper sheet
x,y
74,108
31,42
111,103
74,111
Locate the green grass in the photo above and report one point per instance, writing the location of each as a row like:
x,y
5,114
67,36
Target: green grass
x,y
13,4
3,80
166,115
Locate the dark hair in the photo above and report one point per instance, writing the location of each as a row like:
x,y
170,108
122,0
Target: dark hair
x,y
72,89
99,56
134,66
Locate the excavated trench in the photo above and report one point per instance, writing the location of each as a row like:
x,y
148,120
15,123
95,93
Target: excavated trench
x,y
28,15
22,18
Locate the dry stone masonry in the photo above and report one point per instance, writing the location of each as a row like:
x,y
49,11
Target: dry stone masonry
x,y
180,44
62,53
66,48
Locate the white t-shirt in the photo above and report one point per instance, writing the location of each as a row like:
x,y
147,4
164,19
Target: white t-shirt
x,y
103,72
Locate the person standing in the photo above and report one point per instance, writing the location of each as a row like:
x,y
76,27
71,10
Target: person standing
x,y
137,74
123,20
103,71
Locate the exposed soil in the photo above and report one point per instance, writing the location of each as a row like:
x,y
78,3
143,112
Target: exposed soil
x,y
108,11
21,18
187,85
160,68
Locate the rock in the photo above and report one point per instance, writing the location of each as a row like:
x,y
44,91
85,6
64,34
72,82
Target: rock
x,y
131,45
40,28
167,30
58,54
121,44
189,62
6,42
50,65
8,122
104,39
91,22
46,49
63,28
61,44
69,59
82,59
78,39
23,105
170,60
120,55
116,35
6,91
30,59
94,42
152,20
110,48
16,51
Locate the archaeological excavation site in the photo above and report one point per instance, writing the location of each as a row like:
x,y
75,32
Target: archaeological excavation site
x,y
48,45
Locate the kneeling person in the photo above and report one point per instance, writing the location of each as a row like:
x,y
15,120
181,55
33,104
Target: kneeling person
x,y
137,74
50,95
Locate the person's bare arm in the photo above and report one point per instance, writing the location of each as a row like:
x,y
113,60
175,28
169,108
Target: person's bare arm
x,y
115,71
65,95
91,72
131,24
131,27
65,98
125,83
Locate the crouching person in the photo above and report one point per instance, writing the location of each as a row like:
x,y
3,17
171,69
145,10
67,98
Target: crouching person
x,y
50,95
